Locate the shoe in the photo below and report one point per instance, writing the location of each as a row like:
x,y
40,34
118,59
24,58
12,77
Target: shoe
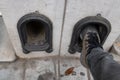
x,y
90,40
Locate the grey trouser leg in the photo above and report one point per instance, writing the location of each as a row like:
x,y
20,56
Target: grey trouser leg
x,y
102,65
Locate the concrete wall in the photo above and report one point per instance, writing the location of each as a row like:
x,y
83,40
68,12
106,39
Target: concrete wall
x,y
78,9
13,10
64,14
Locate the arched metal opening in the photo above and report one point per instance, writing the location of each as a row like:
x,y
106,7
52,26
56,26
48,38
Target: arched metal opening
x,y
102,25
35,31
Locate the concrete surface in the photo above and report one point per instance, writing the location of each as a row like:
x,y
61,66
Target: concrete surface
x,y
78,9
42,69
78,72
12,71
63,66
7,52
45,69
13,10
64,14
35,69
52,68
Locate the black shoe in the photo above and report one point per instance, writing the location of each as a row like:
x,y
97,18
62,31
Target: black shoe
x,y
90,40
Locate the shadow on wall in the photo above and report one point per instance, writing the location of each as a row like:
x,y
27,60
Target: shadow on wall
x,y
6,50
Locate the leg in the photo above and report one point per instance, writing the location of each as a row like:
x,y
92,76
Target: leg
x,y
102,65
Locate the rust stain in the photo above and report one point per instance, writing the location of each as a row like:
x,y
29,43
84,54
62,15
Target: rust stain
x,y
69,71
